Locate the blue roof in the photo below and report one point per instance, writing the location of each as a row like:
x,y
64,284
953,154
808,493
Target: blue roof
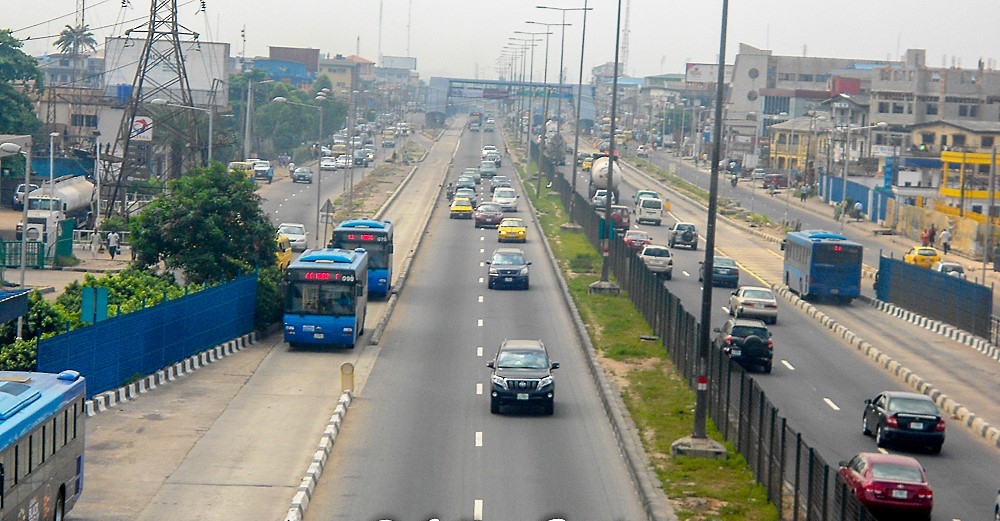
x,y
366,223
328,256
28,399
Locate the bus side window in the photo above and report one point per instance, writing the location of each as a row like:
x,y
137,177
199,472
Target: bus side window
x,y
65,429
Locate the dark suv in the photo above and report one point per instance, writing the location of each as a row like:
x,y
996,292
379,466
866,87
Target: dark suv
x,y
522,374
508,268
684,233
746,341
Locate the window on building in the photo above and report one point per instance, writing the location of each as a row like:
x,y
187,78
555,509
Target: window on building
x,y
883,107
958,140
968,111
897,108
806,77
986,142
931,109
927,138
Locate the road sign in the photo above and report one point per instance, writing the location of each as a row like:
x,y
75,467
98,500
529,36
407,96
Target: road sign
x,y
327,207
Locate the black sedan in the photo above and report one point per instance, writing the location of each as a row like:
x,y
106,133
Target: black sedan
x,y
903,417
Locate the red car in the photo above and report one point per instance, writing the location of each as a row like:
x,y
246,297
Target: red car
x,y
488,215
636,240
889,483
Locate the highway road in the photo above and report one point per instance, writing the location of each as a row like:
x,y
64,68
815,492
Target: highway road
x,y
819,383
421,443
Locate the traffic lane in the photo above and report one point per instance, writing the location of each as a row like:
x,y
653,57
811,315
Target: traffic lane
x,y
441,310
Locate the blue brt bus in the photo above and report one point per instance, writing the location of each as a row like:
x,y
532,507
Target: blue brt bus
x,y
326,297
41,443
823,264
376,238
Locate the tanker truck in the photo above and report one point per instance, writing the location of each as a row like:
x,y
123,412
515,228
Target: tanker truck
x,y
71,197
599,176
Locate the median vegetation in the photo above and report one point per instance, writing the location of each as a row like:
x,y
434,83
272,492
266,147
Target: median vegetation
x,y
658,398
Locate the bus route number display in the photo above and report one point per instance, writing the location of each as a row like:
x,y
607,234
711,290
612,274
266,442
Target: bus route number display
x,y
365,237
328,276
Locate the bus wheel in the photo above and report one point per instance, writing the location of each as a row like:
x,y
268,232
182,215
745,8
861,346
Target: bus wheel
x,y
60,508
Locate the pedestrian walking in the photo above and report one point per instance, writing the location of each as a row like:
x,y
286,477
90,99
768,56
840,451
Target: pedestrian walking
x,y
802,194
113,241
291,167
858,207
924,236
931,234
946,241
95,244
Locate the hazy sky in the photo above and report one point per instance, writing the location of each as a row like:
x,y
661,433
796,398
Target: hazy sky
x,y
463,38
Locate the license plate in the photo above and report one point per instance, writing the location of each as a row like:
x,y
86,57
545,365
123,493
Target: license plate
x,y
308,329
917,426
899,494
735,352
508,279
522,396
318,336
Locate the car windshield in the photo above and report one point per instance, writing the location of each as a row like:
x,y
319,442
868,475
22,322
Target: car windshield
x,y
637,235
292,230
912,405
490,208
508,259
745,331
685,227
522,360
511,223
724,262
656,252
504,192
461,201
500,178
928,252
761,294
890,472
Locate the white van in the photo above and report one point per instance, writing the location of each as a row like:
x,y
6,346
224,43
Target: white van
x,y
487,168
649,209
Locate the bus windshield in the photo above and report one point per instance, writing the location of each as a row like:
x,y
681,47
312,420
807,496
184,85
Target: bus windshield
x,y
320,299
378,255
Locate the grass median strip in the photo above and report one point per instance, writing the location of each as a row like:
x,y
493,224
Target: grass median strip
x,y
658,398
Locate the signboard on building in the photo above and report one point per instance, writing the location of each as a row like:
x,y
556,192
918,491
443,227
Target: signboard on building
x,y
705,72
884,150
206,63
399,62
142,128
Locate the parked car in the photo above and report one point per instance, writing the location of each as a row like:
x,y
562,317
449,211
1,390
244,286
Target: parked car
x,y
296,234
923,256
19,194
522,374
636,240
684,233
754,302
302,174
747,342
508,267
889,484
658,259
949,268
488,215
904,418
725,272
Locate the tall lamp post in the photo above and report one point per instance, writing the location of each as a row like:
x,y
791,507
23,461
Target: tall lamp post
x,y
605,284
562,50
531,76
52,167
579,97
545,103
25,150
319,176
209,111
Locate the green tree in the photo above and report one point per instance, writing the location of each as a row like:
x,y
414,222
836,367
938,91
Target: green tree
x,y
19,78
72,39
210,224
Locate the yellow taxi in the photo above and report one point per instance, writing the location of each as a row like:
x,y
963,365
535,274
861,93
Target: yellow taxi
x,y
587,163
284,254
923,256
512,229
461,208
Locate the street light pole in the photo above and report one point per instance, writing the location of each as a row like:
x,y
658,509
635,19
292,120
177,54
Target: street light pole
x,y
52,169
579,96
97,175
609,231
319,176
24,150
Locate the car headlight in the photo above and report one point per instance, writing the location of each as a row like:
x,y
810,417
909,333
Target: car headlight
x,y
494,271
499,381
545,382
524,271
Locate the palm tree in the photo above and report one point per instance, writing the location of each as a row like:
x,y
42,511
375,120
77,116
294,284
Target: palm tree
x,y
72,39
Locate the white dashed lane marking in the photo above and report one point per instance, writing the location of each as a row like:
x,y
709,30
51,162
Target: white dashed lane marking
x,y
831,404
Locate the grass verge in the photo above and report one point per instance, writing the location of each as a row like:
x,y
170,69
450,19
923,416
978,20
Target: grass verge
x,y
658,398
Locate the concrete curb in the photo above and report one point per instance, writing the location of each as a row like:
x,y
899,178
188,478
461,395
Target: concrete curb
x,y
946,330
300,501
907,377
654,499
108,399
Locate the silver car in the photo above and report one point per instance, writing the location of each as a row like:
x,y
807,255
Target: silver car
x,y
658,259
296,234
756,302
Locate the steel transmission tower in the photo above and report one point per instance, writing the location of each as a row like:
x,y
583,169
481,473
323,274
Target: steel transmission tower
x,y
625,31
159,73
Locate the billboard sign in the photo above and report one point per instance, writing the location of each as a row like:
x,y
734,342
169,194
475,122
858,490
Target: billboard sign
x,y
399,62
142,128
705,72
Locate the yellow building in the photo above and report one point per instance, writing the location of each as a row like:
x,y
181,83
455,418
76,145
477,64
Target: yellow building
x,y
965,149
797,143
